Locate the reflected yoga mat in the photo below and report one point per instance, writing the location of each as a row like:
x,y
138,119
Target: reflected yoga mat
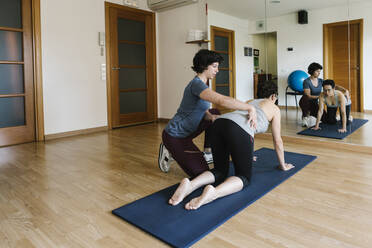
x,y
181,228
331,131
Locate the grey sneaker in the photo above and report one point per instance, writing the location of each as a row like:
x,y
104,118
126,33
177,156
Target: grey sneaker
x,y
208,157
305,122
164,158
311,121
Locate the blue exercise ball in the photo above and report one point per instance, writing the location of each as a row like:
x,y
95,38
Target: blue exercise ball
x,y
296,79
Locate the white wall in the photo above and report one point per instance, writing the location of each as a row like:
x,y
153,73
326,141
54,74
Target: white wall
x,y
174,55
243,64
74,95
364,10
307,42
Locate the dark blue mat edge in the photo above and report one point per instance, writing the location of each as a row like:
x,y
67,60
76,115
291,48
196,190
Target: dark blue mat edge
x,y
244,207
304,132
134,224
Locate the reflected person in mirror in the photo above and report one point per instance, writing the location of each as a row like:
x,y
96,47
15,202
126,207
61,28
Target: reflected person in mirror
x,y
312,89
334,99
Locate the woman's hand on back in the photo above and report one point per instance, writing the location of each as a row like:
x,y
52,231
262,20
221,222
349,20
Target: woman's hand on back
x,y
252,117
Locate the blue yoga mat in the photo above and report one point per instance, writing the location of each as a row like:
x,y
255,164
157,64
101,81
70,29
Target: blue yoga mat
x,y
331,131
179,227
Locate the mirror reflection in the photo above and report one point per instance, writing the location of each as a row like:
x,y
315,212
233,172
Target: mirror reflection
x,y
298,45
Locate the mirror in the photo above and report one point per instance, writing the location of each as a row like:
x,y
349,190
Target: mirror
x,y
300,41
281,44
327,38
358,79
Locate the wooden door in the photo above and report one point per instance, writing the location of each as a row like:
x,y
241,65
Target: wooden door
x,y
16,73
222,42
342,58
355,66
131,65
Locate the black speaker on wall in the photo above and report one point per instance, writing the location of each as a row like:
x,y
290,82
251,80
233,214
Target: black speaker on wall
x,y
302,17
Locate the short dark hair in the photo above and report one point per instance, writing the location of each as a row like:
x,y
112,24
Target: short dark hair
x,y
329,82
313,67
266,89
204,58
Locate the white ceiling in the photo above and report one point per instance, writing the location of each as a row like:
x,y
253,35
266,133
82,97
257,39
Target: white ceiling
x,y
255,9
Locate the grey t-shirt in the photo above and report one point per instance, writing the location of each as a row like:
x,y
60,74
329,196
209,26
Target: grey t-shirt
x,y
240,118
314,91
191,111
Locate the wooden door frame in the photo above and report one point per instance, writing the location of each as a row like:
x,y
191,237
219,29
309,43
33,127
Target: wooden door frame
x,y
36,69
326,53
231,33
109,79
37,65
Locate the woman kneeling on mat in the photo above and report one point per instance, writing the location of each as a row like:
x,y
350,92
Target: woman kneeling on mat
x,y
232,134
194,116
334,99
312,89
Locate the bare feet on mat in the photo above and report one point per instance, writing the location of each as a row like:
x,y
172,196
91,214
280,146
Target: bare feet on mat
x,y
181,192
209,194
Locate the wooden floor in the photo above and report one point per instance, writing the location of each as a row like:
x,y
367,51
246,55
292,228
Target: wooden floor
x,y
61,193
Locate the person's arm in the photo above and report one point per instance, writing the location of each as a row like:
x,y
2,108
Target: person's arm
x,y
343,90
278,142
320,112
341,98
307,92
229,103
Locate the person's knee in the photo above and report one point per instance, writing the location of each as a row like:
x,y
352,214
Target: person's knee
x,y
219,177
302,102
245,180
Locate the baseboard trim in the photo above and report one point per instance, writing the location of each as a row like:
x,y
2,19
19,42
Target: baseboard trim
x,y
163,120
75,132
368,111
337,146
134,124
289,107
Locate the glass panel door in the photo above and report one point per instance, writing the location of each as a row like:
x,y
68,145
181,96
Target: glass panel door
x,y
132,64
222,42
11,67
16,78
221,46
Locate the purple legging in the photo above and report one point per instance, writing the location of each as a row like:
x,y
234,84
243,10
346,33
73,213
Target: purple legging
x,y
186,153
309,106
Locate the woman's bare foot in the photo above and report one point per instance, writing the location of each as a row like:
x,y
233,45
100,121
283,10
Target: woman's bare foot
x,y
183,190
209,194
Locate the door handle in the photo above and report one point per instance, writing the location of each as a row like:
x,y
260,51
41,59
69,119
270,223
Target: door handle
x,y
355,68
116,68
